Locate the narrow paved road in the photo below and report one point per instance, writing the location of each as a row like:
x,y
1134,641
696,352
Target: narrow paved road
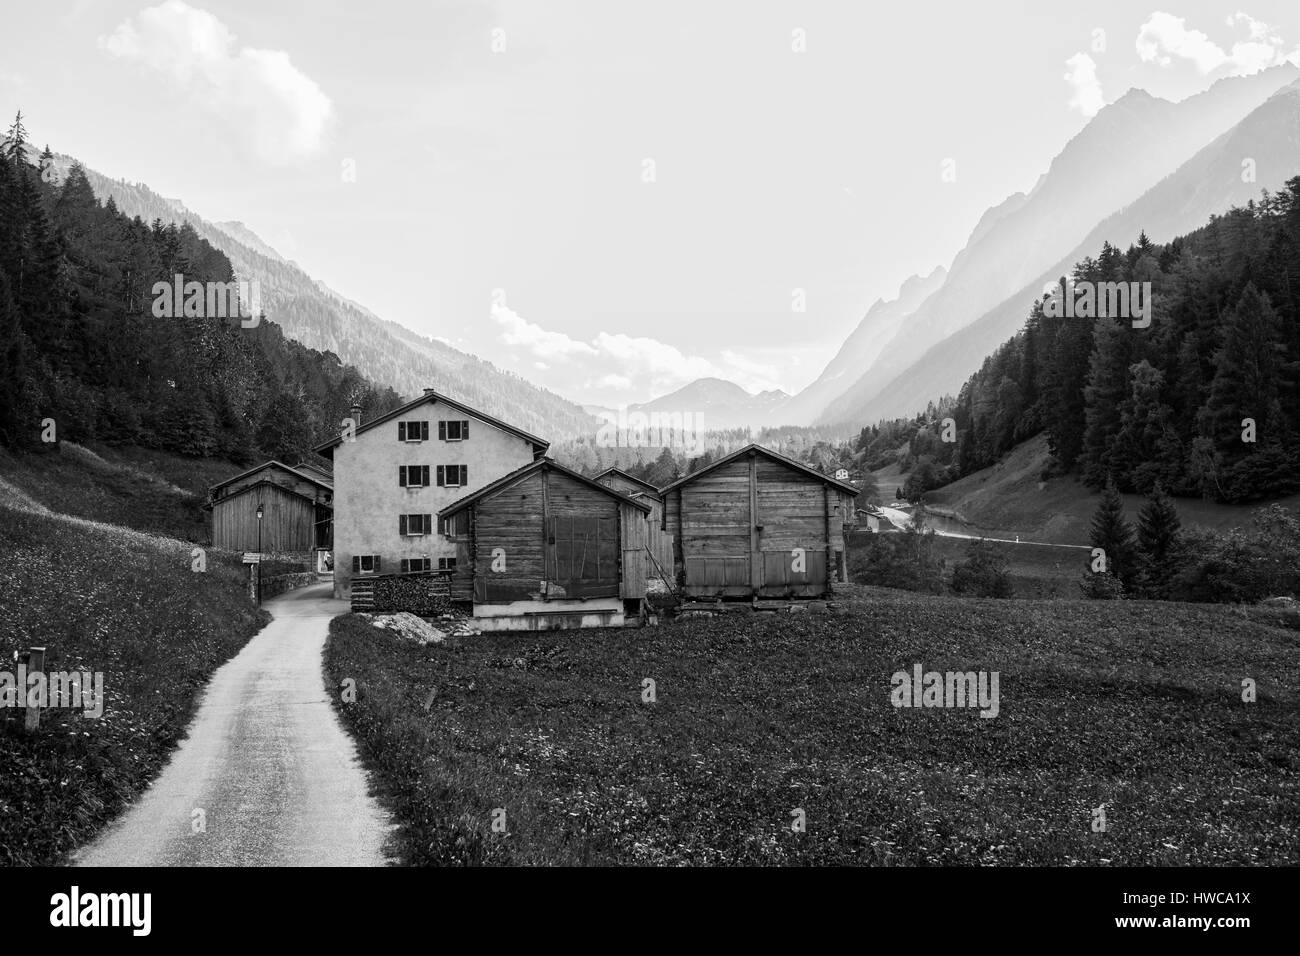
x,y
266,761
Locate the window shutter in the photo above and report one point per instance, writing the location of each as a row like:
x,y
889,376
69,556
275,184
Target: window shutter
x,y
428,524
464,475
356,564
405,565
401,431
401,524
424,431
464,429
442,431
378,564
424,475
401,475
441,478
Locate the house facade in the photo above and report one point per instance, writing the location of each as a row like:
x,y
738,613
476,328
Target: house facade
x,y
394,474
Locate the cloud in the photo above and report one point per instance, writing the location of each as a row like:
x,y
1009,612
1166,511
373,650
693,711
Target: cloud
x,y
1165,37
279,111
1086,95
622,368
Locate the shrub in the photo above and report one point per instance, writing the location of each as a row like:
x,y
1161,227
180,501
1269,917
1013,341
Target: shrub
x,y
1101,586
983,574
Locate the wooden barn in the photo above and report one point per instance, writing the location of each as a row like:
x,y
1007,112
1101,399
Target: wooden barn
x,y
544,547
297,509
656,545
757,524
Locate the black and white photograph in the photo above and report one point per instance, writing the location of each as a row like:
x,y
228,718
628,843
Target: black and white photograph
x,y
743,436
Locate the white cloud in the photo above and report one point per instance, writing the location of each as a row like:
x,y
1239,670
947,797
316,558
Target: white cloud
x,y
618,367
280,112
1085,87
1165,37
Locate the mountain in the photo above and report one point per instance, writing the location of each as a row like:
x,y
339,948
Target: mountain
x,y
1208,184
320,318
1125,150
863,346
715,405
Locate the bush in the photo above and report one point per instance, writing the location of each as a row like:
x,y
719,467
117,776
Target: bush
x,y
904,560
1101,586
983,574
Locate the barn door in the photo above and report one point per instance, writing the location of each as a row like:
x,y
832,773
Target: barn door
x,y
582,556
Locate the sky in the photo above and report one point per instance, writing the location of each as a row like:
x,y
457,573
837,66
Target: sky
x,y
610,198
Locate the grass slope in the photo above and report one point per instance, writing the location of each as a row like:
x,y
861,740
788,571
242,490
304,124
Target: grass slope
x,y
123,603
131,488
1010,498
1131,706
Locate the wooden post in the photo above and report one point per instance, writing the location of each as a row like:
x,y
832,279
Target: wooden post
x,y
35,664
826,508
755,558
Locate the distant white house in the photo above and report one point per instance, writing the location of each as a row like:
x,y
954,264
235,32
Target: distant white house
x,y
841,474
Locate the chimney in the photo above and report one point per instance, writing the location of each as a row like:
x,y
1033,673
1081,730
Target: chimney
x,y
428,391
356,413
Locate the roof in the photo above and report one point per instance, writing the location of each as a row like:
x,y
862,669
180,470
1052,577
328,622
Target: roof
x,y
540,445
843,486
620,473
316,478
548,464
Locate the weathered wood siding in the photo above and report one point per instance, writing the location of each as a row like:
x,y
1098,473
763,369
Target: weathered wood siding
x,y
757,527
560,540
288,521
655,540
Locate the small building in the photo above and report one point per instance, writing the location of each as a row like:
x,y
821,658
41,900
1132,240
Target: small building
x,y
655,550
543,547
758,524
396,471
297,511
841,474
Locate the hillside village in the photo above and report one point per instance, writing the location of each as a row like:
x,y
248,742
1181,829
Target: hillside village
x,y
358,597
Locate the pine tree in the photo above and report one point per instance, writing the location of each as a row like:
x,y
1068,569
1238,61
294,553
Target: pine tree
x,y
1159,544
1112,532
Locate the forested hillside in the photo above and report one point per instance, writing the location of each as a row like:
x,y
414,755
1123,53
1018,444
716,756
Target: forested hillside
x,y
310,312
1205,401
79,343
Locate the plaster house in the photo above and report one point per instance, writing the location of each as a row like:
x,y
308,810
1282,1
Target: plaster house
x,y
395,473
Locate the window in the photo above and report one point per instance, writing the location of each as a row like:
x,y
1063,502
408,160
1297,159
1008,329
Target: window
x,y
416,564
453,431
453,476
413,431
365,564
446,564
411,525
413,476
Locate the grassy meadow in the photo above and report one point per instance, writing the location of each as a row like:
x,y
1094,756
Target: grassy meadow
x,y
119,602
1132,708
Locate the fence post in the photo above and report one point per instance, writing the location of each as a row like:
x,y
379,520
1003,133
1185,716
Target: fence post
x,y
35,664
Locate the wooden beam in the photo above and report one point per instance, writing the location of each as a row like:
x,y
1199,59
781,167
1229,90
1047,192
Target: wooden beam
x,y
755,558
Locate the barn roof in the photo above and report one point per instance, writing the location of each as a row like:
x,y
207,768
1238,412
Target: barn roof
x,y
539,445
504,482
316,478
620,473
843,486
